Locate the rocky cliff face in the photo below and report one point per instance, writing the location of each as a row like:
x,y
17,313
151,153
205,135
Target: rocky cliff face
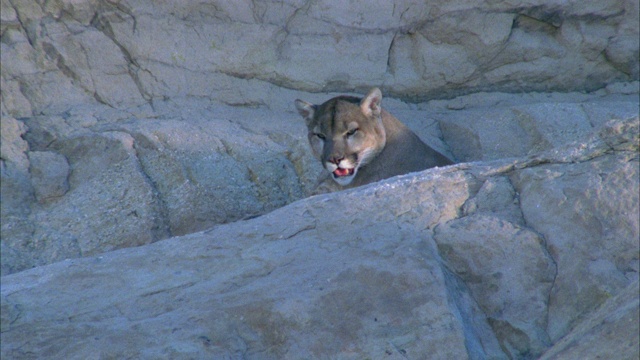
x,y
129,122
121,53
487,260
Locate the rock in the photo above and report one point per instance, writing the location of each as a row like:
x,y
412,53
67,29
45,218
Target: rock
x,y
102,204
49,173
489,132
17,196
577,208
126,123
100,180
120,55
13,146
185,165
325,302
412,270
82,72
609,332
510,273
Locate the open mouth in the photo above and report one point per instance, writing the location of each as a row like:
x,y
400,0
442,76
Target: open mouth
x,y
340,172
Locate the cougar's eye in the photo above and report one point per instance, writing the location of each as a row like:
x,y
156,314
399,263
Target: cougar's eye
x,y
320,136
353,131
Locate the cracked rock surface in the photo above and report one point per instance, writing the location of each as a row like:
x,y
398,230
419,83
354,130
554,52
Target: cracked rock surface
x,y
94,179
155,181
418,264
252,52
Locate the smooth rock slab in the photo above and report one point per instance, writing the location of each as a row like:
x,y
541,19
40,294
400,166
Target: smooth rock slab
x,y
287,285
587,213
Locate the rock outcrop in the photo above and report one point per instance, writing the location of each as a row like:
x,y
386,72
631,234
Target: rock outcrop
x,y
155,181
98,179
113,132
485,260
131,52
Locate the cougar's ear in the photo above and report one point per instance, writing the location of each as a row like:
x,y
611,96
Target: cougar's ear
x,y
370,105
305,109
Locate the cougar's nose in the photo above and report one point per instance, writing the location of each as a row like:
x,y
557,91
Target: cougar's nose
x,y
335,160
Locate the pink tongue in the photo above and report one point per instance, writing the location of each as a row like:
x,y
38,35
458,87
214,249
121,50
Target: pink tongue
x,y
341,172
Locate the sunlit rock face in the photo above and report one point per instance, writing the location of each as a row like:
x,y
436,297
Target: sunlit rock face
x,y
129,122
466,261
61,53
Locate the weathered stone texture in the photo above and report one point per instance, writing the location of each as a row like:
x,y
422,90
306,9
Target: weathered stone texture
x,y
402,268
131,52
124,123
49,173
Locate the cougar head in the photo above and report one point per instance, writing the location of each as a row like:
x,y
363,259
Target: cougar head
x,y
345,133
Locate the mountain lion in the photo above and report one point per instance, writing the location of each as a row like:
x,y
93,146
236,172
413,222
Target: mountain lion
x,y
358,142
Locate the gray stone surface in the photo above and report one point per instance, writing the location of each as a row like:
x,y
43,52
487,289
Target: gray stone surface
x,y
510,274
49,173
185,165
404,268
590,227
611,332
124,123
131,95
493,131
249,52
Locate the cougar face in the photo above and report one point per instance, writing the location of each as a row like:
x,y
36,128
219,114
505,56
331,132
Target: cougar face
x,y
345,133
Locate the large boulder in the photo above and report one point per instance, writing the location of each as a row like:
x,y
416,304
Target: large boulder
x,y
82,184
470,261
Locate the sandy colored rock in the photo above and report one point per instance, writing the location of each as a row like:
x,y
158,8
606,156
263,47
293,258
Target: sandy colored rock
x,y
13,146
189,165
231,291
146,85
494,132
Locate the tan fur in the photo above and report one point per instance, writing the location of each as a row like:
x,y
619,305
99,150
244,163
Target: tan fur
x,y
358,142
